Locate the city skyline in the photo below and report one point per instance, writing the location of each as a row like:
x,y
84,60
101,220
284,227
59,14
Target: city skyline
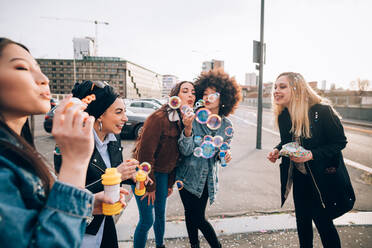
x,y
322,40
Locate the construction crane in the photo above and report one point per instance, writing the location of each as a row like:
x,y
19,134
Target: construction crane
x,y
96,23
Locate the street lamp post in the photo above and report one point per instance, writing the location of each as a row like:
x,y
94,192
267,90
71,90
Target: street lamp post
x,y
259,102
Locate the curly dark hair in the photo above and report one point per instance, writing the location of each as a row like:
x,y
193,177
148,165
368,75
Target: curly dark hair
x,y
230,91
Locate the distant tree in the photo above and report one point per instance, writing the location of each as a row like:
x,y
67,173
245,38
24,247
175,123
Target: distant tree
x,y
360,85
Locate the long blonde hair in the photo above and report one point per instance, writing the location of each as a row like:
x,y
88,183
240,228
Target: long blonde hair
x,y
303,97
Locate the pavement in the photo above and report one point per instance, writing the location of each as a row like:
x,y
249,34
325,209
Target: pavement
x,y
247,210
268,227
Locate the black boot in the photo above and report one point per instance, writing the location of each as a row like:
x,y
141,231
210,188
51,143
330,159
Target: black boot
x,y
161,246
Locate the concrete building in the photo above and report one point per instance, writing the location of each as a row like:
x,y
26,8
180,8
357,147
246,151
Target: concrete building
x,y
129,79
314,85
168,82
324,85
250,79
214,64
83,47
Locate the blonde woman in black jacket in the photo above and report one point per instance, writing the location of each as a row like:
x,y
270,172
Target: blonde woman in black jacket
x,y
322,189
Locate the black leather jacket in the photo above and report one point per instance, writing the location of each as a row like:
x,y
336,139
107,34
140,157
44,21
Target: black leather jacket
x,y
93,183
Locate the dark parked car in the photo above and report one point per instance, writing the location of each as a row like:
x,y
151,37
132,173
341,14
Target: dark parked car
x,y
48,120
133,126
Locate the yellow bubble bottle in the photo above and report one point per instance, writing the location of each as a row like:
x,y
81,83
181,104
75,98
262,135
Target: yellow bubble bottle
x,y
140,183
111,182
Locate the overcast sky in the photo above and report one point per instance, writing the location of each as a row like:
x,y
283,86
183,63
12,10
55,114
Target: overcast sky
x,y
322,39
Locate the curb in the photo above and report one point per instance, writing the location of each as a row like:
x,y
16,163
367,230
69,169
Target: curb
x,y
252,224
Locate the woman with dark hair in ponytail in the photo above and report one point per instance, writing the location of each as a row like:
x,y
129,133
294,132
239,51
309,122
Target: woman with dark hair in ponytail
x,y
37,209
157,145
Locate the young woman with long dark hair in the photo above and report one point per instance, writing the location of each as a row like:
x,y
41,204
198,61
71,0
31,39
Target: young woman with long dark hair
x,y
157,145
37,209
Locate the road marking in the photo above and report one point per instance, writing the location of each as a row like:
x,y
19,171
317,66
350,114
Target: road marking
x,y
347,161
357,129
357,165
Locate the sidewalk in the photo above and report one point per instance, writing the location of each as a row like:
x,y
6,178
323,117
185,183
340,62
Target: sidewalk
x,y
277,230
247,210
351,237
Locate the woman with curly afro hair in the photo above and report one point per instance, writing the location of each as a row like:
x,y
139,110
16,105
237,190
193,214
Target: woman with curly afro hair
x,y
199,174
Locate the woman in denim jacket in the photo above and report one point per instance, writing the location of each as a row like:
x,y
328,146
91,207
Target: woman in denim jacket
x,y
37,210
200,175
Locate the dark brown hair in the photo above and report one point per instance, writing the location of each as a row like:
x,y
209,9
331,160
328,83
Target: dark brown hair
x,y
174,92
176,89
27,152
230,91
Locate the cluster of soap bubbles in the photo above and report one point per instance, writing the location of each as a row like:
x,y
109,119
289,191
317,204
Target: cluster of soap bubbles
x,y
174,102
208,146
204,115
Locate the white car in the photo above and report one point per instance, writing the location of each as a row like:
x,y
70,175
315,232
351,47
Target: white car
x,y
146,107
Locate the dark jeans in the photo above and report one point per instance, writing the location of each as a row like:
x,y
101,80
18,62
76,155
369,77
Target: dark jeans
x,y
147,212
308,208
195,218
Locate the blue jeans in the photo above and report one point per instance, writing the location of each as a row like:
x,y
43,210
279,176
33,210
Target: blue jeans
x,y
146,213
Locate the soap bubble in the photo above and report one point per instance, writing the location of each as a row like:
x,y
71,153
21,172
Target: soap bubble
x,y
213,97
225,146
208,138
174,102
198,140
214,122
208,149
145,167
202,115
187,110
198,151
179,184
217,140
229,131
199,103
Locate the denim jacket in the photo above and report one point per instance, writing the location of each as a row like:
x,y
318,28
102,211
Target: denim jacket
x,y
194,171
30,219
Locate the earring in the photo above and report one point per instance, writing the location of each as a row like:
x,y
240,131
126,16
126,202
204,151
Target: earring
x,y
100,125
223,105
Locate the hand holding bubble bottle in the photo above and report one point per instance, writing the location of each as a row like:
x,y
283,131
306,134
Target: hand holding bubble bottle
x,y
111,183
141,176
222,158
223,151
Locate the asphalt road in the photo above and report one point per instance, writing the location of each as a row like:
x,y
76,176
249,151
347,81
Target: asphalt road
x,y
249,185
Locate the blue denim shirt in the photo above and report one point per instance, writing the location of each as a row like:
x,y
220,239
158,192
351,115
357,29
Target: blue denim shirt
x,y
195,172
30,219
